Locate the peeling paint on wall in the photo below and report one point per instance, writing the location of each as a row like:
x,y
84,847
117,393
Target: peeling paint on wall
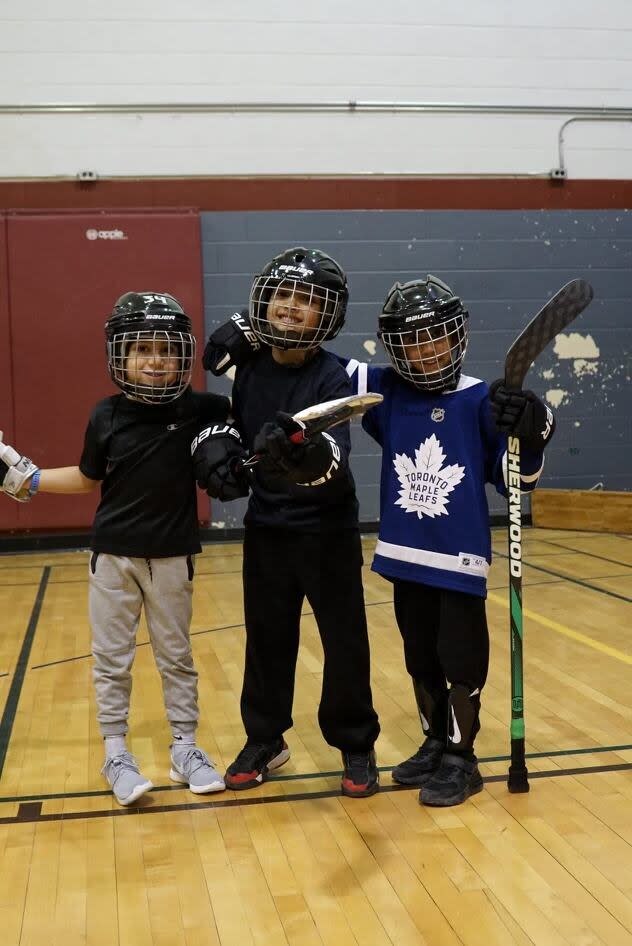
x,y
575,345
582,367
556,396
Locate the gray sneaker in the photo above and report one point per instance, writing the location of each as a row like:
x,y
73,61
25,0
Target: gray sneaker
x,y
124,776
194,768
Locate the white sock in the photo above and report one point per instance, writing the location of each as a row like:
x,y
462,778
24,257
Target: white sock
x,y
114,745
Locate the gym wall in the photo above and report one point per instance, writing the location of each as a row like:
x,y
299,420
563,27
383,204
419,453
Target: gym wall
x,y
325,61
505,265
266,125
61,274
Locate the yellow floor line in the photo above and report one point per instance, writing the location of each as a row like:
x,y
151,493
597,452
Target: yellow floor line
x,y
567,632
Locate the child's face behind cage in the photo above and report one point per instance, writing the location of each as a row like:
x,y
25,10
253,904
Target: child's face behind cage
x,y
426,354
153,362
295,310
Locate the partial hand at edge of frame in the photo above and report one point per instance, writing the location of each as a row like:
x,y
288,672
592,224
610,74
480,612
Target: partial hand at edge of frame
x,y
15,473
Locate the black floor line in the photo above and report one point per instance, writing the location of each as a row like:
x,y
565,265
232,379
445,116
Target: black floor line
x,y
207,630
11,705
312,776
368,604
573,581
602,558
29,812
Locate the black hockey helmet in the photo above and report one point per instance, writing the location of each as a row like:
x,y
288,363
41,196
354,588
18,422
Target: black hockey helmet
x,y
308,277
423,327
158,321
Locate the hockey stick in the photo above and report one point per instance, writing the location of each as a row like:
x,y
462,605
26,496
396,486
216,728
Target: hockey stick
x,y
558,312
312,420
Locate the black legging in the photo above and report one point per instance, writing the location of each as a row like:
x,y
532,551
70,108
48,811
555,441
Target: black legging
x,y
281,568
445,641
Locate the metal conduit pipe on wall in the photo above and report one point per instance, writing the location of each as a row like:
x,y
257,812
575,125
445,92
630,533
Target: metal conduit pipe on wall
x,y
584,113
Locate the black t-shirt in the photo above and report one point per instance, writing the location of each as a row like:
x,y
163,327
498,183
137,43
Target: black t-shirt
x,y
262,387
142,453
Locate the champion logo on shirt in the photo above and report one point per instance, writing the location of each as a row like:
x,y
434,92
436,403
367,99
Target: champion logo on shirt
x,y
424,482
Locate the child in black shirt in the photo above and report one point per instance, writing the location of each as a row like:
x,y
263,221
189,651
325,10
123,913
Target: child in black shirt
x,y
145,533
302,536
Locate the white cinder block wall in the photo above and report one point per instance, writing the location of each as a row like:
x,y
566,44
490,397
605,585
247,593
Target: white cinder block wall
x,y
574,53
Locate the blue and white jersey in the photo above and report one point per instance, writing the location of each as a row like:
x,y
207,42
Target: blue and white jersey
x,y
438,452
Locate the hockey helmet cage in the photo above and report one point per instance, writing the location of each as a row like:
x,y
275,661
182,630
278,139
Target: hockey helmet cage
x,y
299,300
423,327
150,347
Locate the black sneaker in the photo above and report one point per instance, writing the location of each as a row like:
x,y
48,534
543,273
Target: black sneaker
x,y
422,765
360,777
253,763
454,781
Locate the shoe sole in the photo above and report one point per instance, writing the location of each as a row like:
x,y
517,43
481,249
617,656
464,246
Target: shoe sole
x,y
453,799
137,793
275,763
372,790
217,786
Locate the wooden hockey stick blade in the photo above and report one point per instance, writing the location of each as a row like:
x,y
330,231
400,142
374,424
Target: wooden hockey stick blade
x,y
552,318
312,420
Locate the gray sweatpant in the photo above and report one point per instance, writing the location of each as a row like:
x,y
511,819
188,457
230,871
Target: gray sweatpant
x,y
119,588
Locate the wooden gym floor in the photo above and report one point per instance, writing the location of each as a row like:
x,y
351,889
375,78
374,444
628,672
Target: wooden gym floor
x,y
293,861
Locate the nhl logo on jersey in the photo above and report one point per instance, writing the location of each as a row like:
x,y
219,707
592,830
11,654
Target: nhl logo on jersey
x,y
438,414
425,483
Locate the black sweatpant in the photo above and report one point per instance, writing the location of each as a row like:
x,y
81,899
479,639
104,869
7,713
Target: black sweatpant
x,y
446,640
281,568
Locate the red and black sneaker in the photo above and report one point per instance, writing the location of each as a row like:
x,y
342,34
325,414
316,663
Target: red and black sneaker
x,y
360,777
253,763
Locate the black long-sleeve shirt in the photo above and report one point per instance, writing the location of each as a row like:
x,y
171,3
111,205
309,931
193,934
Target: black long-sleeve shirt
x,y
262,387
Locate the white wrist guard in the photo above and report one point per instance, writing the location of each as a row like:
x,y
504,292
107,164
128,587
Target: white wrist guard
x,y
20,469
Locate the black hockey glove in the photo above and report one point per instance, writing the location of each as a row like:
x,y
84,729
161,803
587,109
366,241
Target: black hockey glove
x,y
522,414
310,463
217,462
231,345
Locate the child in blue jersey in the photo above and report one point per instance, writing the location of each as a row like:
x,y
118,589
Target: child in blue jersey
x,y
443,437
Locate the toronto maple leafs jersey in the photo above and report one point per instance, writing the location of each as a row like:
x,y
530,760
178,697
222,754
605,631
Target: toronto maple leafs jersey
x,y
438,452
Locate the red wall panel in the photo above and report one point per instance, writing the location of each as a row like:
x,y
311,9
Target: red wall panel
x,y
65,272
271,192
8,508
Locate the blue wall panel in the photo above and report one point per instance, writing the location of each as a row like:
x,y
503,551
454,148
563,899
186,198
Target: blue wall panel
x,y
504,265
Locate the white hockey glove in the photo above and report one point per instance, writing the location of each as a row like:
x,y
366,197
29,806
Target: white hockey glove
x,y
15,471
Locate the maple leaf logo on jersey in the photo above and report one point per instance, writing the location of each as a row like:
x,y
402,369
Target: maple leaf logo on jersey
x,y
425,484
